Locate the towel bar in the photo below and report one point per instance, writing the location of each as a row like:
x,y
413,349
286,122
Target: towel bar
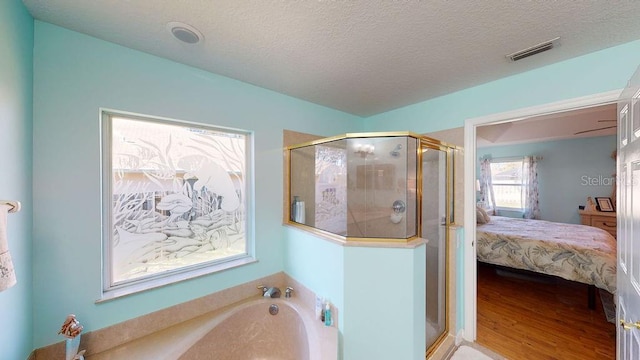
x,y
15,205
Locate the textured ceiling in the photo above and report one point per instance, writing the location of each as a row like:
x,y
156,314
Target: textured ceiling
x,y
362,57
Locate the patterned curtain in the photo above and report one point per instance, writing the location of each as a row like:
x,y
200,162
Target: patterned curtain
x,y
530,179
486,188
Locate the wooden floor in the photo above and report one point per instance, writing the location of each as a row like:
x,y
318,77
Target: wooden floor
x,y
525,318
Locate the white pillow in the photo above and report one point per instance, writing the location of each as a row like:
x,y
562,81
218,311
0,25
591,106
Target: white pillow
x,y
481,216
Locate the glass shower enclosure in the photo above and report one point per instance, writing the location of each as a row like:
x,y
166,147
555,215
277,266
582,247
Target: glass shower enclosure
x,y
437,215
357,186
380,187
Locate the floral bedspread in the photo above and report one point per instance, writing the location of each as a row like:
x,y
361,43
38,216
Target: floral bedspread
x,y
574,252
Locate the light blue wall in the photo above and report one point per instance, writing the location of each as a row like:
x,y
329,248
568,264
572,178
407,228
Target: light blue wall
x,y
384,310
593,73
16,62
319,265
570,171
75,75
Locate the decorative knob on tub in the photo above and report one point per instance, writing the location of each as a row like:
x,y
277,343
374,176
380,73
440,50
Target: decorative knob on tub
x,y
287,292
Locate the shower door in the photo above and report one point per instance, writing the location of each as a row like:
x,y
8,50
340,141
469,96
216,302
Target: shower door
x,y
436,215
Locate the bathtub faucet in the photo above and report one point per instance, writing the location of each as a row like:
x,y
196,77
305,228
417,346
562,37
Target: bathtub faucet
x,y
287,292
271,292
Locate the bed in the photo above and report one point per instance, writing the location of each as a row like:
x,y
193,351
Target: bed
x,y
574,252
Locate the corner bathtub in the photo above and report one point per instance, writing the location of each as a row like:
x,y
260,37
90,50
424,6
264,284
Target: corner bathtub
x,y
245,330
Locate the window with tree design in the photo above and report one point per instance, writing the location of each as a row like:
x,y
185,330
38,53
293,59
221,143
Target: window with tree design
x,y
176,200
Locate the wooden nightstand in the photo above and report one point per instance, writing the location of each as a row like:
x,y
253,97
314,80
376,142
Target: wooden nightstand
x,y
600,219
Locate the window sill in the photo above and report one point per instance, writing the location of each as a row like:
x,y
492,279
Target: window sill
x,y
515,210
169,279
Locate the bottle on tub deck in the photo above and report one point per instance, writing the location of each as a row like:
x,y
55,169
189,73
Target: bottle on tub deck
x,y
328,320
294,208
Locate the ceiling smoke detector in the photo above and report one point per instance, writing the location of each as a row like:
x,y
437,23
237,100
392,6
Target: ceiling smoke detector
x,y
185,32
536,49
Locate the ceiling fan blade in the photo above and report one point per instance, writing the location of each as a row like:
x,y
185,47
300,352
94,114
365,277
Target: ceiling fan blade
x,y
598,129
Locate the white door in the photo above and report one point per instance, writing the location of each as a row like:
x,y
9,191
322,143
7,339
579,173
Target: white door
x,y
628,310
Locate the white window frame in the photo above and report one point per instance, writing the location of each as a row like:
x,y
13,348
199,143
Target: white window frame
x,y
521,185
110,289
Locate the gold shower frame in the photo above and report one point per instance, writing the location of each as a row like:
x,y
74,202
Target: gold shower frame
x,y
423,142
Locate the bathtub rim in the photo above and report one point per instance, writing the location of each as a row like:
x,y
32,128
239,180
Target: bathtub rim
x,y
316,351
174,341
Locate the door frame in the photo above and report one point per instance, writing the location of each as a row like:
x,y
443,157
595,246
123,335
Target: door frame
x,y
469,286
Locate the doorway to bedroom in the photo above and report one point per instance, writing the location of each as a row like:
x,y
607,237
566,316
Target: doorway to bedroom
x,y
516,311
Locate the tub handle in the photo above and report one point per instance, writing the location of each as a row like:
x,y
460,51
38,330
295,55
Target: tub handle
x,y
263,288
288,291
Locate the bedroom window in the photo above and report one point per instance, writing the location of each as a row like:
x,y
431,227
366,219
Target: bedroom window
x,y
508,184
176,201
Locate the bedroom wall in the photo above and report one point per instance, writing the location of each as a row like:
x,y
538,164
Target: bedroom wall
x,y
570,171
16,63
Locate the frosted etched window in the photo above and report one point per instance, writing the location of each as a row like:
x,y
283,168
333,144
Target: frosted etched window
x,y
175,199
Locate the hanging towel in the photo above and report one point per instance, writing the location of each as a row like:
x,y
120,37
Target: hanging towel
x,y
7,273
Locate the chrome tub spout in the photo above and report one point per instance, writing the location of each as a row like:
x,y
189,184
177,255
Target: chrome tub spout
x,y
270,292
